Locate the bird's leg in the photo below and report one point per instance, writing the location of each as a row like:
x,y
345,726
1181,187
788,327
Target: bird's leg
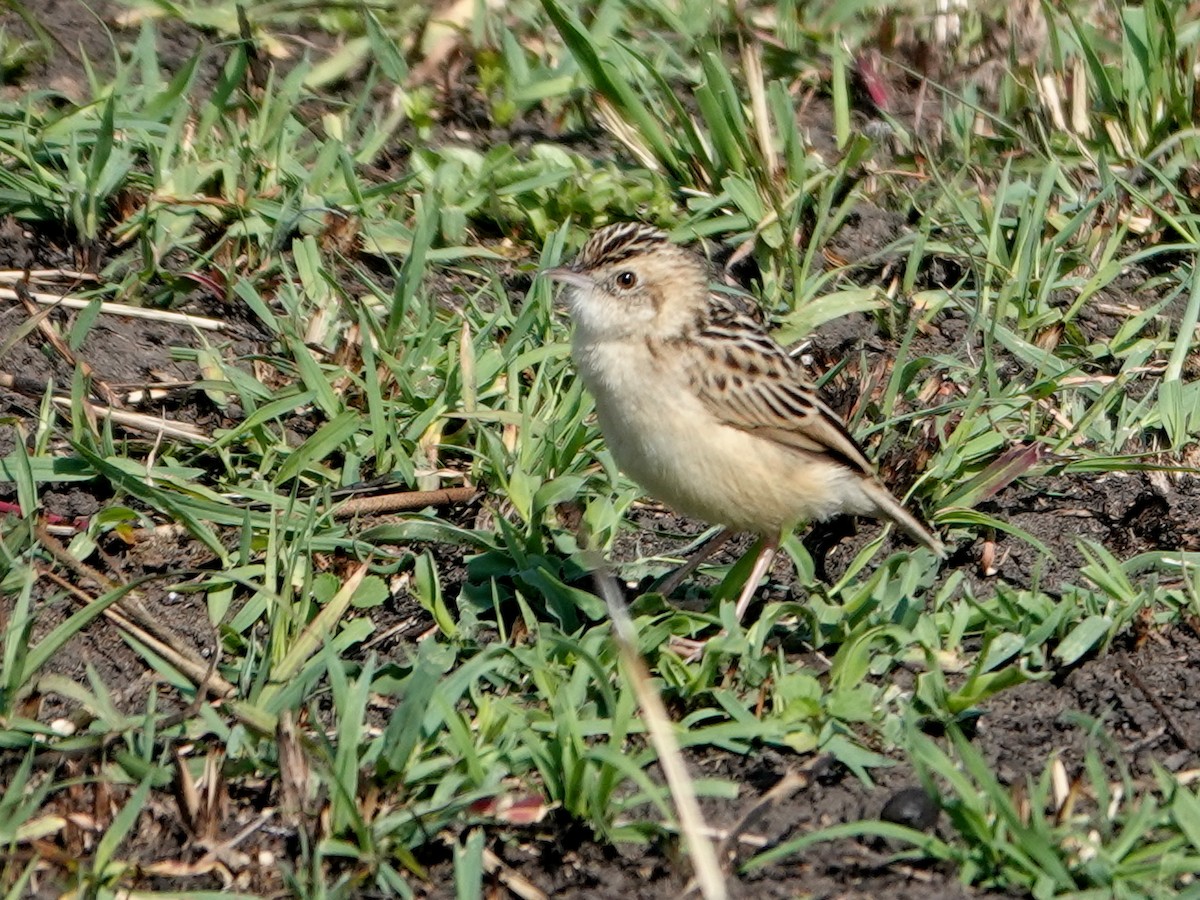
x,y
668,585
766,554
689,648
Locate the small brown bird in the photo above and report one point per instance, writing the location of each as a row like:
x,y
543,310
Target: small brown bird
x,y
701,407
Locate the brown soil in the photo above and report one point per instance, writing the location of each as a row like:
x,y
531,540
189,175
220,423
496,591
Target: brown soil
x,y
1145,695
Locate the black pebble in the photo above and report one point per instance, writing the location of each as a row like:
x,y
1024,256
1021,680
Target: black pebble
x,y
912,807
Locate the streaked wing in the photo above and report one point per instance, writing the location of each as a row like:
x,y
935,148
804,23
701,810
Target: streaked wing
x,y
749,382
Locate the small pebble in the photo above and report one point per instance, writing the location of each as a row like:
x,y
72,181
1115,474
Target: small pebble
x,y
911,807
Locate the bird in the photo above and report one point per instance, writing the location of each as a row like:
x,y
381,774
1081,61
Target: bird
x,y
702,408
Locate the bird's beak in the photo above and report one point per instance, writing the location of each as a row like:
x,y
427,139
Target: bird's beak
x,y
567,276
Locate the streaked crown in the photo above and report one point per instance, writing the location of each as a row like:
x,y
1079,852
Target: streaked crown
x,y
616,243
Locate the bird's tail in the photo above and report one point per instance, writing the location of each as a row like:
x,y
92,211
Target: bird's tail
x,y
890,508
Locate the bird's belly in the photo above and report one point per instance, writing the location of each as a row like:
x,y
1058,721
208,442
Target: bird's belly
x,y
675,449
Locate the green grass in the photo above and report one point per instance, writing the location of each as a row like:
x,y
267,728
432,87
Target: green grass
x,y
336,209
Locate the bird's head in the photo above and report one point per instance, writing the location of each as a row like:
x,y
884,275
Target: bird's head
x,y
630,279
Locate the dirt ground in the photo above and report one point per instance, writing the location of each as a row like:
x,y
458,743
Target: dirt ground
x,y
1145,691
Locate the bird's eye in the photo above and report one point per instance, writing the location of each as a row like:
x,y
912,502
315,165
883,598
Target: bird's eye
x,y
626,279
